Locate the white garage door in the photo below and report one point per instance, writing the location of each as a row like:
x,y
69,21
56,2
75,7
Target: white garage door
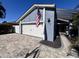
x,y
33,30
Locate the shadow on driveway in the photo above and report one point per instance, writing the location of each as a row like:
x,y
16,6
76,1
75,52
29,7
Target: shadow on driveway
x,y
55,44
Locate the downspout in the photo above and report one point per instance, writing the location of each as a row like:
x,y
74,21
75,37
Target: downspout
x,y
20,27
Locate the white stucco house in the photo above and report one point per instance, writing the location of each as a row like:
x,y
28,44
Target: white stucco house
x,y
46,29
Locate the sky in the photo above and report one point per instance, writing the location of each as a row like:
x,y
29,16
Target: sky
x,y
16,8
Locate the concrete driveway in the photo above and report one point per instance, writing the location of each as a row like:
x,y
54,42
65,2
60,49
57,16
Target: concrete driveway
x,y
21,46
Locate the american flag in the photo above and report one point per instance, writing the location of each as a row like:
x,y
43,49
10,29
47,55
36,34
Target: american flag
x,y
38,17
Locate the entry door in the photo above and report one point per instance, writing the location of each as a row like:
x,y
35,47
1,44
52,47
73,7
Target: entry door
x,y
50,25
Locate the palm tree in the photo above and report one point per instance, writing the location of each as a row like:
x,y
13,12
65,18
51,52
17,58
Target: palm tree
x,y
2,11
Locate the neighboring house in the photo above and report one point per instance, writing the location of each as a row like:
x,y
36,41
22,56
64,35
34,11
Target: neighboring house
x,y
47,27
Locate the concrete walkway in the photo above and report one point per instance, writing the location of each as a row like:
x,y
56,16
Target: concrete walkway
x,y
65,42
60,52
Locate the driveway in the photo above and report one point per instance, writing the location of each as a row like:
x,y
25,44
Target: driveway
x,y
23,46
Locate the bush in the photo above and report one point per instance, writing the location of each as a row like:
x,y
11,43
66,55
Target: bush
x,y
75,44
5,29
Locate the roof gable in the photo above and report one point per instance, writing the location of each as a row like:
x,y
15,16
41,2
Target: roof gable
x,y
33,8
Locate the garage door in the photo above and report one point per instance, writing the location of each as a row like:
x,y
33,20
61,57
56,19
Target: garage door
x,y
33,30
16,28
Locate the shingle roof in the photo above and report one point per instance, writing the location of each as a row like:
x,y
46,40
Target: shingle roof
x,y
65,14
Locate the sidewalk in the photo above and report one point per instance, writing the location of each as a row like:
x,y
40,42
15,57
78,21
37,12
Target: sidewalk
x,y
60,52
65,42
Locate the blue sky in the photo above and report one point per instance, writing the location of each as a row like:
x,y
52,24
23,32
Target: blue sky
x,y
15,8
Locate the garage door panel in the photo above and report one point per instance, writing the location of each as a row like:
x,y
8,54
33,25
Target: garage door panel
x,y
33,30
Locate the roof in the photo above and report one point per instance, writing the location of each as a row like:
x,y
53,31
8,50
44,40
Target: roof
x,y
65,13
9,24
62,14
34,7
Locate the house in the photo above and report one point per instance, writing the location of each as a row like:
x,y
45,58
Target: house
x,y
47,27
53,20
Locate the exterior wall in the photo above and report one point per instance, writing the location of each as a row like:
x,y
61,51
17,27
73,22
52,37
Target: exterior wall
x,y
50,25
32,16
16,28
33,30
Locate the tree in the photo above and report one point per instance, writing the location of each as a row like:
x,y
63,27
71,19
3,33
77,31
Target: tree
x,y
2,11
4,22
76,21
